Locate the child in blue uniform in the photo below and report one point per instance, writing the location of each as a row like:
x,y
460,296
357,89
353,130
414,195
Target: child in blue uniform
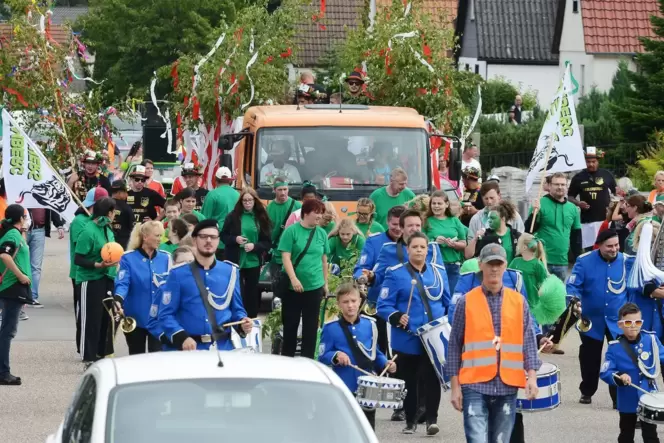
x,y
634,358
351,340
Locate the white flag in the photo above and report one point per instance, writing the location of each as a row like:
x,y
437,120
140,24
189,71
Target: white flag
x,y
561,124
29,179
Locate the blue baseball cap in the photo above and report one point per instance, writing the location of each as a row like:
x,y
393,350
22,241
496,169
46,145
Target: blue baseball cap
x,y
94,194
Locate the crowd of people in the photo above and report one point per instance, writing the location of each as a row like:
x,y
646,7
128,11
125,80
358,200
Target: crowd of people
x,y
190,278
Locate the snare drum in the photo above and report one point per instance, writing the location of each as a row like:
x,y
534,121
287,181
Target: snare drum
x,y
253,340
548,397
435,337
651,408
380,392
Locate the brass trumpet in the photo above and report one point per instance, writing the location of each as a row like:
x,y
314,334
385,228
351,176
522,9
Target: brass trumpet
x,y
127,324
583,325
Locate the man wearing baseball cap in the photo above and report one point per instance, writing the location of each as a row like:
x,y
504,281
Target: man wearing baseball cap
x,y
191,176
123,222
221,201
489,358
89,176
142,200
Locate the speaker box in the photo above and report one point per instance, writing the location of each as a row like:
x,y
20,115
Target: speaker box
x,y
155,148
150,113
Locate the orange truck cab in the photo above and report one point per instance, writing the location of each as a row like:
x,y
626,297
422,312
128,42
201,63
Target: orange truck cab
x,y
347,151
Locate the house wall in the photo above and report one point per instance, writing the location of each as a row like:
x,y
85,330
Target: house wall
x,y
605,67
543,79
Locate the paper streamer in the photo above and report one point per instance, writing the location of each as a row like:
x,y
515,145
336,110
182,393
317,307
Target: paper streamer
x,y
401,36
372,15
153,96
72,70
421,59
251,82
408,7
251,45
169,132
204,60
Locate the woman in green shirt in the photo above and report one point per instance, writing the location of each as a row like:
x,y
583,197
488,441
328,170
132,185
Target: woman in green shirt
x,y
329,219
15,286
187,199
366,212
177,230
304,249
498,231
345,240
247,236
447,230
96,279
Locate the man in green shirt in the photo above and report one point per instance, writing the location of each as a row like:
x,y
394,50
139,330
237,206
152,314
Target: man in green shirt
x,y
558,225
220,202
394,194
279,210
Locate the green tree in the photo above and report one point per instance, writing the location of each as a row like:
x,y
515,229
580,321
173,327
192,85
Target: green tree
x,y
133,38
498,96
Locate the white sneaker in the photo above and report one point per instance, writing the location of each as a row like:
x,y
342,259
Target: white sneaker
x,y
23,316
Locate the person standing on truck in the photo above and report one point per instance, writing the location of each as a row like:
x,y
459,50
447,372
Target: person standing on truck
x,y
278,210
220,202
394,194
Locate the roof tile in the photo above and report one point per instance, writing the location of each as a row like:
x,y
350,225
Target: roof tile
x,y
60,34
619,26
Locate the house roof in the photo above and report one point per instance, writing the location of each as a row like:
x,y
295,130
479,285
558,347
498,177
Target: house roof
x,y
67,14
516,31
60,34
614,26
434,7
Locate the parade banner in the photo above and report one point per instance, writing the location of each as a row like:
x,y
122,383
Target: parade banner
x,y
29,179
567,150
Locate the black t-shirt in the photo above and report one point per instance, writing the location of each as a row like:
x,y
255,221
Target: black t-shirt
x,y
144,203
123,222
200,198
474,198
593,188
85,183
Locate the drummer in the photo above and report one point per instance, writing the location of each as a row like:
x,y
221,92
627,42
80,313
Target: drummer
x,y
412,296
622,355
340,349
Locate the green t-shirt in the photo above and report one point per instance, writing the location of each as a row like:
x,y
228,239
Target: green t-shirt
x,y
506,241
556,221
277,213
449,227
329,227
75,229
249,231
310,269
89,244
168,247
534,274
367,229
9,242
218,204
340,252
198,215
385,202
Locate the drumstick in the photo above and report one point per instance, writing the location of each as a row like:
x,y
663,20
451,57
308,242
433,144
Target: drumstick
x,y
544,345
388,365
410,299
226,325
361,370
635,387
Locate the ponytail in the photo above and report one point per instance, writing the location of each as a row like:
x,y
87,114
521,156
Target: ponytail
x,y
141,229
540,253
13,215
534,245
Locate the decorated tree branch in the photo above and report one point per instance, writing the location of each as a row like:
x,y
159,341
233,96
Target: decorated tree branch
x,y
36,74
406,58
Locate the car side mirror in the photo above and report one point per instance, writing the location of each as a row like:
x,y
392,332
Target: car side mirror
x,y
453,156
228,141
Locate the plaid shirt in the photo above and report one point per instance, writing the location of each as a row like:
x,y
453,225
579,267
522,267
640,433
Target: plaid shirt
x,y
495,387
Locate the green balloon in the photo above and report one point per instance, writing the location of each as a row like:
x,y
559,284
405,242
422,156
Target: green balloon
x,y
124,166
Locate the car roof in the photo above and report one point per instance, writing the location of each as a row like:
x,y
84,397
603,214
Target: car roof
x,y
180,365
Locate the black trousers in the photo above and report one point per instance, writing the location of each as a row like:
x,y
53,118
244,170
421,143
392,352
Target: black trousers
x,y
518,435
411,369
136,341
77,313
96,324
304,305
628,428
371,416
590,359
251,296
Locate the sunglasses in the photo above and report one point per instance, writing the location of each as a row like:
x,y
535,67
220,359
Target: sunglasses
x,y
355,83
631,323
140,180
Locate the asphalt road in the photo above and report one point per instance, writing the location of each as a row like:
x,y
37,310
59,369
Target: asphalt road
x,y
44,355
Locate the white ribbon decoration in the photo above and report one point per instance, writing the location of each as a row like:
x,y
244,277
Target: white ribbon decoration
x,y
372,15
204,60
251,45
70,65
153,96
401,36
408,6
478,112
169,132
422,60
251,82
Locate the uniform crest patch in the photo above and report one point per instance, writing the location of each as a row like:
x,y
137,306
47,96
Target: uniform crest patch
x,y
153,311
605,366
122,274
166,299
571,279
384,293
363,259
321,349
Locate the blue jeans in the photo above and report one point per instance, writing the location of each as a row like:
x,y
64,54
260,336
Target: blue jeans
x,y
10,312
559,271
36,240
452,270
487,418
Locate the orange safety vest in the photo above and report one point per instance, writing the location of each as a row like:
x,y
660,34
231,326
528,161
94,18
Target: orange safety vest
x,y
479,359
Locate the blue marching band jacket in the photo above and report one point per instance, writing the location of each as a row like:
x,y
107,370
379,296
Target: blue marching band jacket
x,y
182,313
358,341
424,308
368,260
620,358
602,288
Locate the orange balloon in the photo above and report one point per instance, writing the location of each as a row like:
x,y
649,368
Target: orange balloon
x,y
111,252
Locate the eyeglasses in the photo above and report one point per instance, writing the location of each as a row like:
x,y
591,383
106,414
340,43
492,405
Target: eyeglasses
x,y
631,323
247,201
206,237
364,214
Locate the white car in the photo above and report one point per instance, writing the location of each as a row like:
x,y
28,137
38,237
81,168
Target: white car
x,y
189,397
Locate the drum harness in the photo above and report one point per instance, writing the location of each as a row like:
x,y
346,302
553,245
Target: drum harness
x,y
425,296
643,368
361,357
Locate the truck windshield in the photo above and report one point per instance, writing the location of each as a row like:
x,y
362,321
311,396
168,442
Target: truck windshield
x,y
342,158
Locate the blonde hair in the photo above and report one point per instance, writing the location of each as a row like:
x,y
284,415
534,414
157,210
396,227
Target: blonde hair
x,y
330,214
179,252
398,172
186,241
534,245
142,229
348,223
657,174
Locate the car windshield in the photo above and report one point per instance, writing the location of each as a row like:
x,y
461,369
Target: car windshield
x,y
342,158
230,410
